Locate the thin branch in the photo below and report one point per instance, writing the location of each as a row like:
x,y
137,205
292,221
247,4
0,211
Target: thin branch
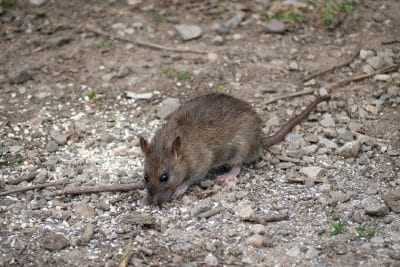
x,y
209,213
31,187
143,43
391,42
364,76
346,63
300,93
23,178
99,188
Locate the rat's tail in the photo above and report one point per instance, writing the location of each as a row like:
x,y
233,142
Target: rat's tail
x,y
281,134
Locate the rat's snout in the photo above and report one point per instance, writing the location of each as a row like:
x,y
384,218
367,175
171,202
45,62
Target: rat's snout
x,y
157,198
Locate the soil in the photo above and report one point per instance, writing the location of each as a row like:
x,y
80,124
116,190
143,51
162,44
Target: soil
x,y
326,196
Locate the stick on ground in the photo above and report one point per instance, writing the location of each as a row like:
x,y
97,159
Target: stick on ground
x,y
99,188
347,62
364,76
143,43
31,187
300,93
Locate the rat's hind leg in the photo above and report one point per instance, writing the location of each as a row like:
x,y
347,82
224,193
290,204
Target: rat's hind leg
x,y
229,177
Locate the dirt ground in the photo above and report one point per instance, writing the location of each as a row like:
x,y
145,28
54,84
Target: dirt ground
x,y
327,196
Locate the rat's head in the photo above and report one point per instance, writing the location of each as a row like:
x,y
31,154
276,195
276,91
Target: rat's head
x,y
163,170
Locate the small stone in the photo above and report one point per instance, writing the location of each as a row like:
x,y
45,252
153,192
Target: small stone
x,y
217,40
382,78
314,173
340,249
168,106
222,30
323,91
327,121
210,260
354,126
60,138
123,71
293,252
188,32
309,150
133,2
83,210
367,69
201,207
139,96
235,20
311,253
21,77
274,26
393,90
340,197
54,242
37,2
86,235
106,137
392,200
364,54
311,82
325,188
349,149
246,213
345,136
257,229
255,240
293,66
375,62
51,146
376,209
378,16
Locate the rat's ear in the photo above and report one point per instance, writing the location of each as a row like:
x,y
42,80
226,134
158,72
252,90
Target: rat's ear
x,y
176,146
144,145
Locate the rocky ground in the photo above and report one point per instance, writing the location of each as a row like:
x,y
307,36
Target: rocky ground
x,y
75,93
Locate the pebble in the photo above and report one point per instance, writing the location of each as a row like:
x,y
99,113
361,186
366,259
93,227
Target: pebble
x,y
393,90
21,77
364,54
255,240
345,135
376,209
354,126
218,40
37,2
51,146
201,207
222,30
349,149
54,242
382,78
293,66
340,197
246,213
83,210
86,235
106,137
60,138
235,20
210,260
188,32
257,229
327,121
314,173
309,150
139,96
168,105
375,62
293,252
274,26
324,142
392,200
367,69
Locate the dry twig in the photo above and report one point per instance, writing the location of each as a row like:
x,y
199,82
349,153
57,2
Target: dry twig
x,y
346,63
143,43
300,93
99,189
209,213
394,41
364,76
23,178
31,187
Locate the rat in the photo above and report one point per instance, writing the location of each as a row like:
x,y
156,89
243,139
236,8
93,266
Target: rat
x,y
206,132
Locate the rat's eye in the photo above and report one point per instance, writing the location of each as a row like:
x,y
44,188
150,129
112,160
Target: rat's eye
x,y
146,177
164,178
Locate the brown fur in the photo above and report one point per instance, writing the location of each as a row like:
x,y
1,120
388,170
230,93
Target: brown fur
x,y
206,132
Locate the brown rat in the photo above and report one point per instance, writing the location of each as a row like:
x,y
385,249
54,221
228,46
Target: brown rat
x,y
204,133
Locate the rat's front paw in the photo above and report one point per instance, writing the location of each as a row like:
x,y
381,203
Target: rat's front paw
x,y
180,190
